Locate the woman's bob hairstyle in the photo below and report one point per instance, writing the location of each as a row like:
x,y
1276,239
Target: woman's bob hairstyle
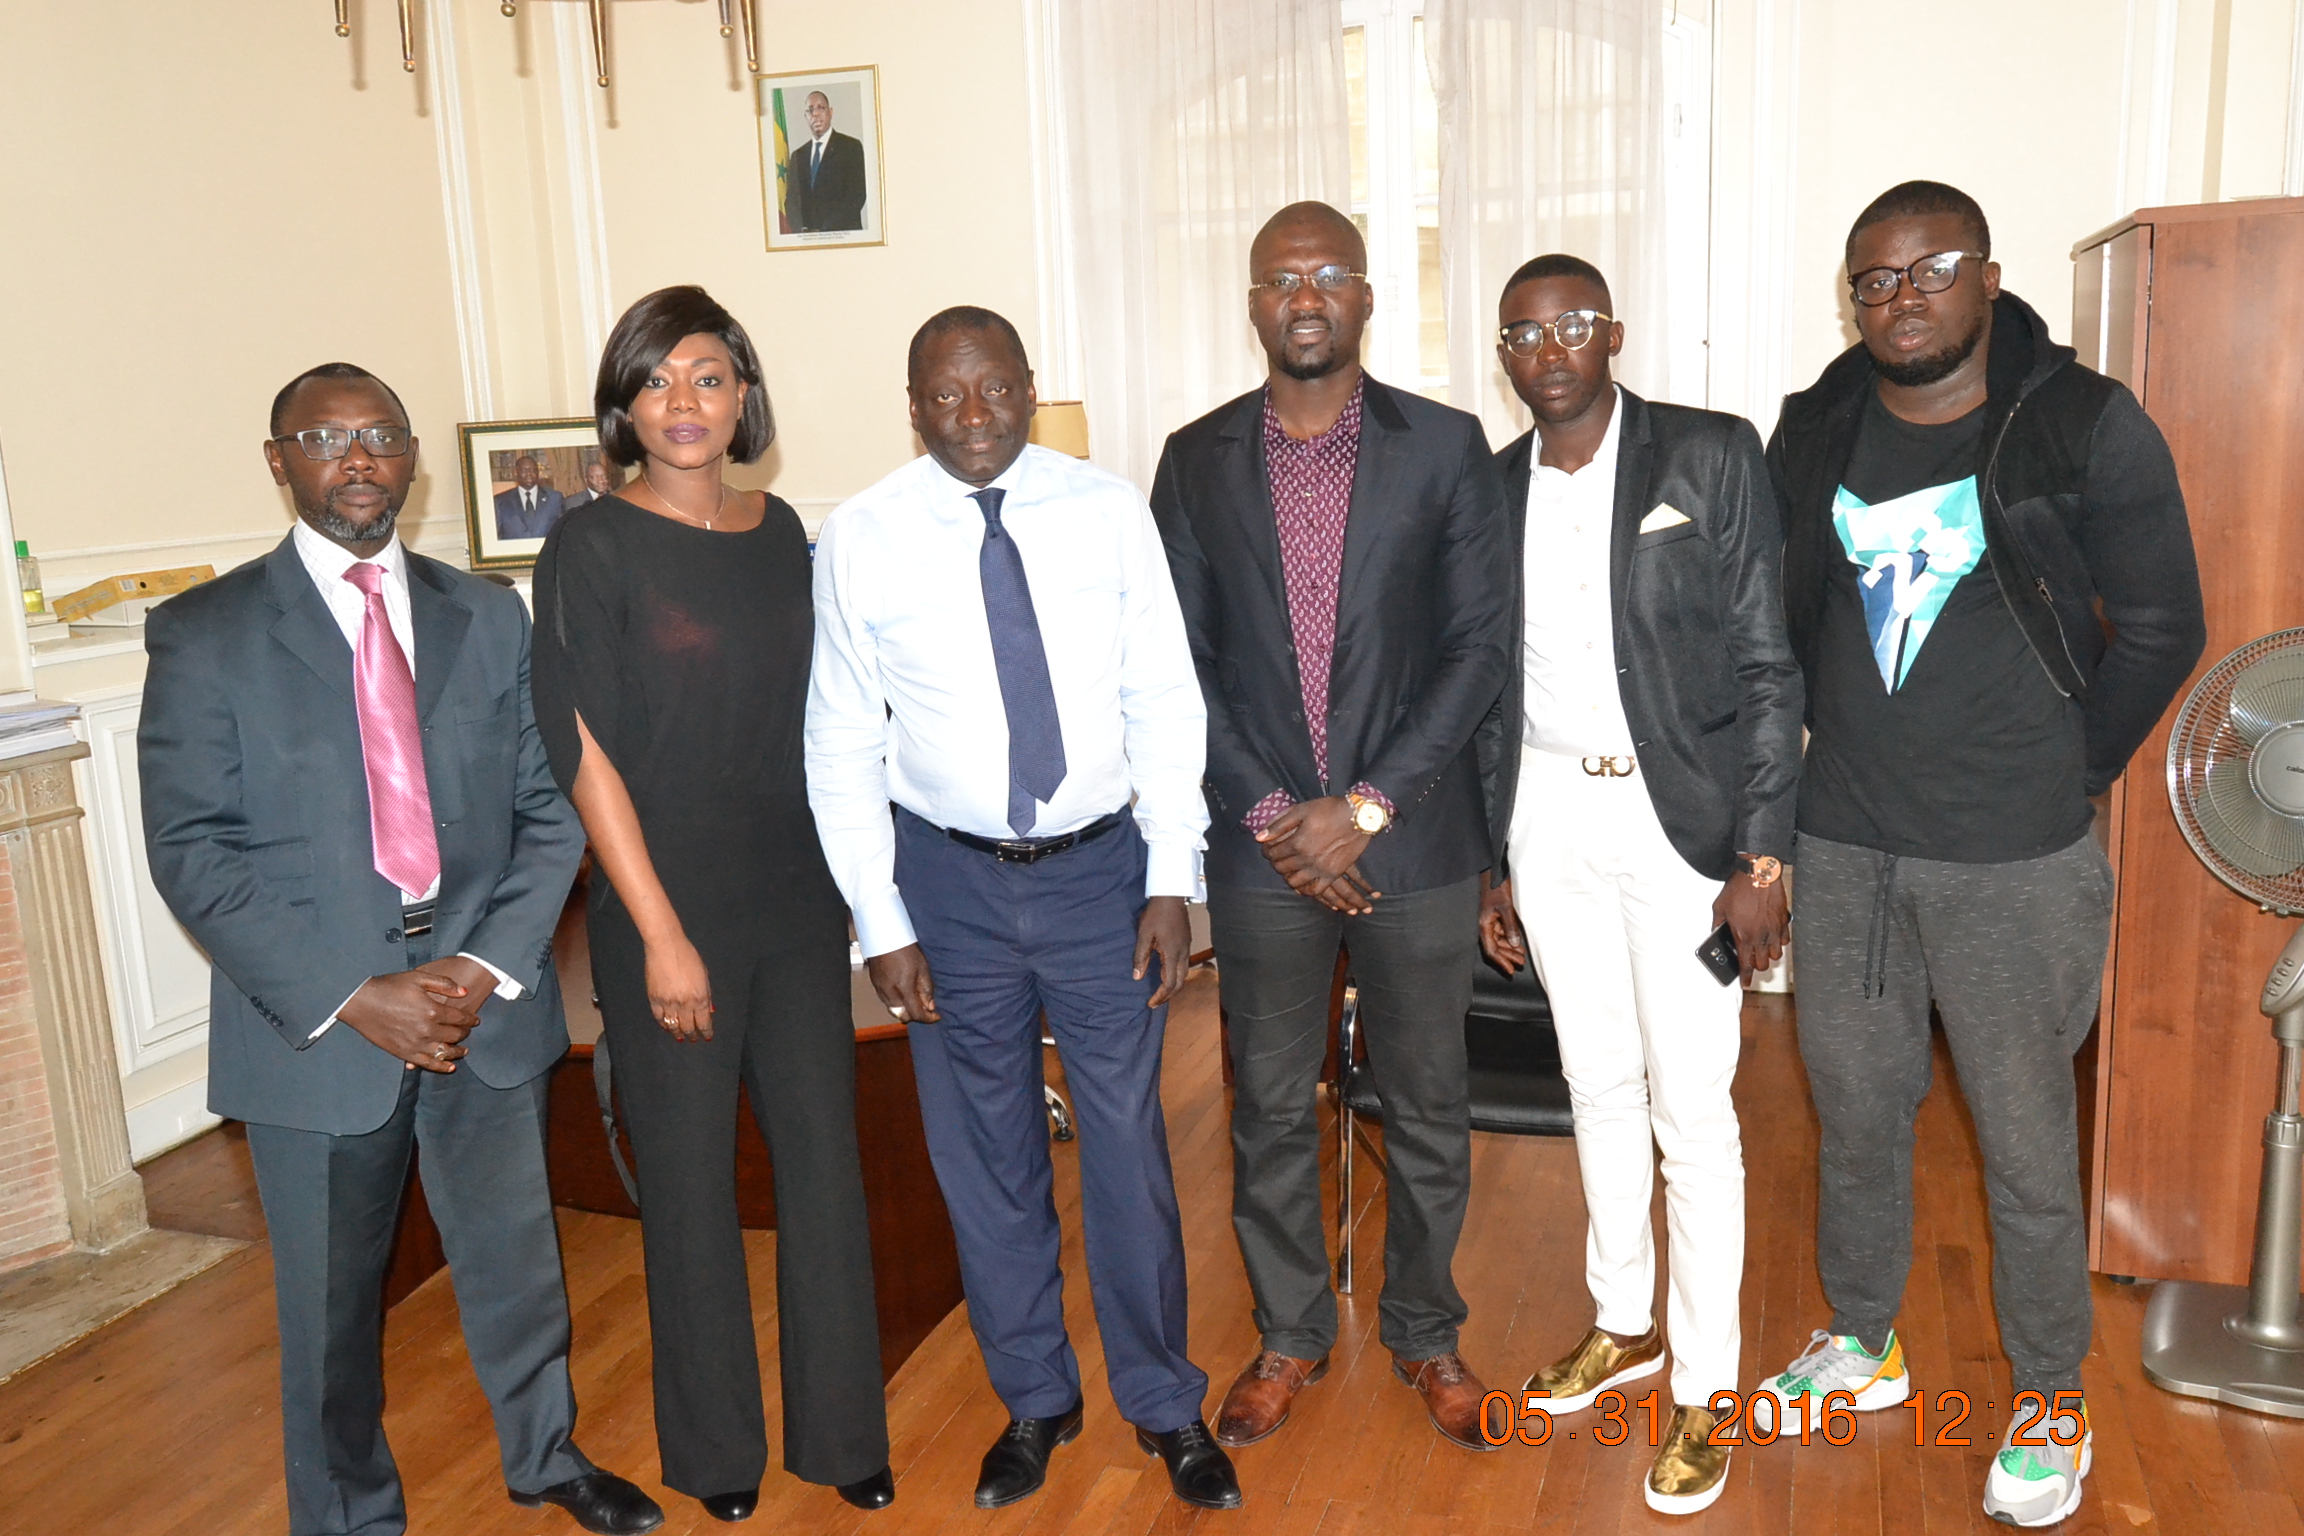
x,y
642,340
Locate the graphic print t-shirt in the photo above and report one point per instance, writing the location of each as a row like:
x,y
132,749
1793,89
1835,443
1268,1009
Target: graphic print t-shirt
x,y
1937,734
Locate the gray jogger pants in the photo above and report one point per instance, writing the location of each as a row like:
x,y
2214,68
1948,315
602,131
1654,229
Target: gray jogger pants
x,y
2013,957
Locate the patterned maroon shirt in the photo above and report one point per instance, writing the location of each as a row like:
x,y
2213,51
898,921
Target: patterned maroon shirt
x,y
1311,502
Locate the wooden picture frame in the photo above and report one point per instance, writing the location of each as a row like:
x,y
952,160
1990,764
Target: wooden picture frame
x,y
834,199
504,528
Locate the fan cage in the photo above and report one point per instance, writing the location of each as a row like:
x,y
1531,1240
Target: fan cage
x,y
2203,737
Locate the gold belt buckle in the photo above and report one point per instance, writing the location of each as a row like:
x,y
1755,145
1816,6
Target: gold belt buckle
x,y
1610,767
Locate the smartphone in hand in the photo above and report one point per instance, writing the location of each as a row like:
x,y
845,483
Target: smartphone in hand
x,y
1718,954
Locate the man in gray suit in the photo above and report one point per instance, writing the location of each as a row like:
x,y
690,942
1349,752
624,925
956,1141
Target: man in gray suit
x,y
530,508
347,804
599,485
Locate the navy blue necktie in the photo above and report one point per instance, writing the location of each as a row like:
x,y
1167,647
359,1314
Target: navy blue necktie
x,y
1035,739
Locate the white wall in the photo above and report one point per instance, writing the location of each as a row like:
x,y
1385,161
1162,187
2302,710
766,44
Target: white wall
x,y
202,201
2059,116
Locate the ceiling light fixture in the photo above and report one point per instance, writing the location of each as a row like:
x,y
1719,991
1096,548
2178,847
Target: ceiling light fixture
x,y
732,12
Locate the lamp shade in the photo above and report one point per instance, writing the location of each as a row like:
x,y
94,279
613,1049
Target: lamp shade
x,y
1063,426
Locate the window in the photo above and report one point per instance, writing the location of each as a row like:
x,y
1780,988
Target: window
x,y
1396,190
1395,124
1688,201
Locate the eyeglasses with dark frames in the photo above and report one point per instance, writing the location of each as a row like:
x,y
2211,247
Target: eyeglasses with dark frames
x,y
1329,279
1573,330
325,443
1875,286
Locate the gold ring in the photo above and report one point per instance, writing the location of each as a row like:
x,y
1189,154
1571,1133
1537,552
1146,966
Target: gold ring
x,y
439,1053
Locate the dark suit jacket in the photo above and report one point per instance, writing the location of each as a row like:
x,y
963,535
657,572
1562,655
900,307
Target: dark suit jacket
x,y
834,198
1424,634
514,523
1706,674
256,819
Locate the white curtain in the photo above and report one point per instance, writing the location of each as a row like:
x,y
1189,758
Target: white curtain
x,y
1178,127
1551,139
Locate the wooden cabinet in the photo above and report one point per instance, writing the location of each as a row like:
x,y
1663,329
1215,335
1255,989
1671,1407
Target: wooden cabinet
x,y
2200,310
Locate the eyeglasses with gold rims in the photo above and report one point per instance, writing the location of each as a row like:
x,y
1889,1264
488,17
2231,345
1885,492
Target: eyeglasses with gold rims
x,y
1875,286
325,443
1328,279
1572,330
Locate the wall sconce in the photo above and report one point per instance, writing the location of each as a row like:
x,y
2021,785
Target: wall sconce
x,y
730,11
1063,426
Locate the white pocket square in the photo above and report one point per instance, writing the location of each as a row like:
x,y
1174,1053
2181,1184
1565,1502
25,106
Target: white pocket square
x,y
1665,516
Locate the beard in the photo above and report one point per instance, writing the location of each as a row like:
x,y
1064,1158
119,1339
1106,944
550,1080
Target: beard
x,y
1935,367
1315,359
336,525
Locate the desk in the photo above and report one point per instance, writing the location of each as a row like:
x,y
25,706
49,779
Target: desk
x,y
916,1263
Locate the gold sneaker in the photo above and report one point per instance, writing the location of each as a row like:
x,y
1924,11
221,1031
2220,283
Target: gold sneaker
x,y
1689,1471
1597,1363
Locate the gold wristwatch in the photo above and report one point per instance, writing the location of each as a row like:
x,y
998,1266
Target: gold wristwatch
x,y
1764,870
1368,815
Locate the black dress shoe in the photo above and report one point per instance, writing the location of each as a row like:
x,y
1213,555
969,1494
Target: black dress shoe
x,y
1198,1469
731,1507
600,1501
875,1492
1017,1464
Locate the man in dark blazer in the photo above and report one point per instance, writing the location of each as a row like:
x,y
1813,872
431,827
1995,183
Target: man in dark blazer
x,y
1339,551
529,508
1646,756
374,857
824,175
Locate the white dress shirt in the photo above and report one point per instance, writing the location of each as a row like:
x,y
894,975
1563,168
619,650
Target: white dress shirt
x,y
1568,644
326,561
904,702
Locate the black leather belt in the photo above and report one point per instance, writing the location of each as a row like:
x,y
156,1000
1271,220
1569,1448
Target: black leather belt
x,y
416,921
1031,850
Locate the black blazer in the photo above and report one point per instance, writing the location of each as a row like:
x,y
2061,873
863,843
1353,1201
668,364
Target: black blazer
x,y
256,819
1706,674
1424,636
834,198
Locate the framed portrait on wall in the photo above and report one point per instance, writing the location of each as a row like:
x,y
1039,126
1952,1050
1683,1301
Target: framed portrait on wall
x,y
521,478
820,158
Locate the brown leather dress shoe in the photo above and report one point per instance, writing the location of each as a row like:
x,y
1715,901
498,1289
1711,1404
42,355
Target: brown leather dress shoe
x,y
1259,1401
1452,1397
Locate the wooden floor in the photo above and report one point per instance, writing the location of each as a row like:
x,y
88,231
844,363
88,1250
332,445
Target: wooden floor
x,y
166,1422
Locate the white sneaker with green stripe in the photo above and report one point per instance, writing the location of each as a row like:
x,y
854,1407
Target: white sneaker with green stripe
x,y
1833,1363
2038,1484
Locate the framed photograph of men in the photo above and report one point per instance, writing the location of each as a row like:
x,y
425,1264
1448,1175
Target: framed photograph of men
x,y
820,158
521,478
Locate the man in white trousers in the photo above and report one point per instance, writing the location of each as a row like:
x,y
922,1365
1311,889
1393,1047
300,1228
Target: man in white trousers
x,y
1658,711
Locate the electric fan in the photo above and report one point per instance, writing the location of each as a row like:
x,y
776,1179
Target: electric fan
x,y
2236,780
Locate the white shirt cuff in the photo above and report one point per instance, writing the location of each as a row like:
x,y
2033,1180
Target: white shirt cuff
x,y
506,988
1173,869
329,1022
882,925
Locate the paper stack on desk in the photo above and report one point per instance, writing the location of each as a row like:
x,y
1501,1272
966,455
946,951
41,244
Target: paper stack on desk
x,y
36,727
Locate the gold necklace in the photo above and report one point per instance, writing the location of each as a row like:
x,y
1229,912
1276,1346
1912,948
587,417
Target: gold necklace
x,y
706,525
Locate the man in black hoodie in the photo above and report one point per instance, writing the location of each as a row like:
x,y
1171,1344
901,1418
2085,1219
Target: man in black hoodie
x,y
1989,584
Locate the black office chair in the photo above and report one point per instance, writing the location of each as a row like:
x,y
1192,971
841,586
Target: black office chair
x,y
1514,1074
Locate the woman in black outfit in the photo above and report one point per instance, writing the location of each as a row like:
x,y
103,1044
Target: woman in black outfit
x,y
673,630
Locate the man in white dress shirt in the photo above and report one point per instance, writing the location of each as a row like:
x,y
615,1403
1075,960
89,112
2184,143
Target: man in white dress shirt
x,y
1658,708
999,653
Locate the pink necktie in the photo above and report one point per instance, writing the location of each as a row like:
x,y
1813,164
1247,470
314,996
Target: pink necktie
x,y
392,747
